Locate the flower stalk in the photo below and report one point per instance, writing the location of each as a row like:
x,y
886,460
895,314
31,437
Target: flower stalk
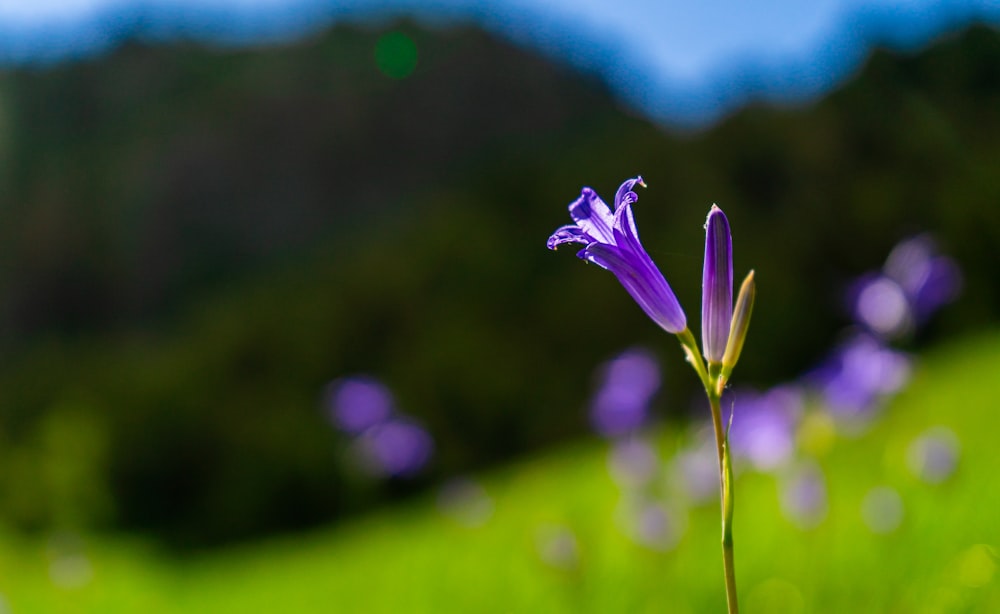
x,y
611,241
726,491
723,334
714,381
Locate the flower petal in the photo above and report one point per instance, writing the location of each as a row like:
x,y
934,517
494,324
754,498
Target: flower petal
x,y
627,237
626,234
643,281
592,215
570,233
625,193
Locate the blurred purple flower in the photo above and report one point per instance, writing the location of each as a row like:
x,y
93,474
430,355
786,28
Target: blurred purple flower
x,y
627,384
881,305
633,463
656,528
882,510
763,427
933,456
465,501
358,403
803,496
929,279
914,282
859,375
397,447
696,470
558,547
612,243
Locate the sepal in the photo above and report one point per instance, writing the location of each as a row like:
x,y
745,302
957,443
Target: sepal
x,y
740,324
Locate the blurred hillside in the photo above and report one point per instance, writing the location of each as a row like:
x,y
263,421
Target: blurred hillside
x,y
194,241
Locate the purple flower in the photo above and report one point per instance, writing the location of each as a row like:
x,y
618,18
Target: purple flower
x,y
696,470
627,384
656,528
357,403
914,283
764,425
881,305
860,375
633,463
928,279
803,496
398,447
717,286
612,242
933,456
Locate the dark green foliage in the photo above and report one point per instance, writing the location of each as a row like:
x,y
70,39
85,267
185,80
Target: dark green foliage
x,y
195,241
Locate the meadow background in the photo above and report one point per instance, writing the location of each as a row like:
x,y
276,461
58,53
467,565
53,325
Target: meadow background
x,y
199,243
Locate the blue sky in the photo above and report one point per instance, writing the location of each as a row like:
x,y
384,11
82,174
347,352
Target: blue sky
x,y
678,62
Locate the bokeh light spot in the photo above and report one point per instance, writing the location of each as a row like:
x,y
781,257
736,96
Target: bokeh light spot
x,y
696,471
882,510
933,456
657,528
633,463
396,55
883,307
69,567
558,547
465,502
627,384
398,447
803,496
358,403
977,566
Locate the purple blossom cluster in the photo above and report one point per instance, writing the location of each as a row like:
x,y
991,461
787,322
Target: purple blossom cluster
x,y
887,305
769,431
863,371
619,410
844,392
858,377
914,282
851,385
386,442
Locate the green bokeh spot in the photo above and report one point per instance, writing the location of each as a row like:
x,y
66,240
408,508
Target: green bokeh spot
x,y
396,55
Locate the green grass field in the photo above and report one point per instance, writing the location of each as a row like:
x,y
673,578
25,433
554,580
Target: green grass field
x,y
415,558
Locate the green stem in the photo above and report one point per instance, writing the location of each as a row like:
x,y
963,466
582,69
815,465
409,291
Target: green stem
x,y
694,357
726,487
712,378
